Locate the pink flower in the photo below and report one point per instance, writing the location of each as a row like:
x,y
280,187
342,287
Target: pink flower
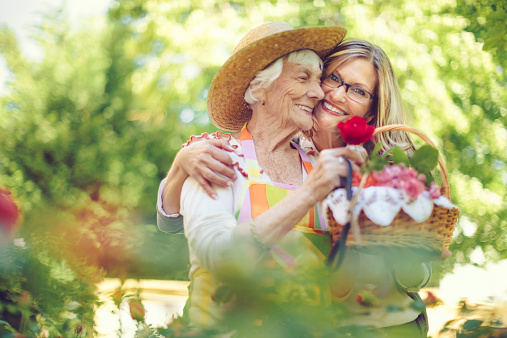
x,y
421,178
397,184
387,175
434,190
387,184
413,188
395,169
407,174
382,177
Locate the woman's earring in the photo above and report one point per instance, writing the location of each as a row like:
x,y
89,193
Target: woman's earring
x,y
263,102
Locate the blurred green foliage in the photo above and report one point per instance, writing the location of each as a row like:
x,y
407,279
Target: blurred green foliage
x,y
88,132
43,296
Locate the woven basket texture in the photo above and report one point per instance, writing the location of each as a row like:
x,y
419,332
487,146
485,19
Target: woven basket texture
x,y
435,233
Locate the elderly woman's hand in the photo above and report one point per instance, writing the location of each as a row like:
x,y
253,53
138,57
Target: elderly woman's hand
x,y
329,168
359,151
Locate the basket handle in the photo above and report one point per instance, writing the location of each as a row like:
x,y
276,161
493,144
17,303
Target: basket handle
x,y
444,189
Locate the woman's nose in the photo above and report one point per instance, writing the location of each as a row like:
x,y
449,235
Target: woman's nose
x,y
316,92
339,94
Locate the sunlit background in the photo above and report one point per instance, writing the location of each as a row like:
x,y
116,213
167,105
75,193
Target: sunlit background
x,y
96,97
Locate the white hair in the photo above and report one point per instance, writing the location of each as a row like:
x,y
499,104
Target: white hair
x,y
268,75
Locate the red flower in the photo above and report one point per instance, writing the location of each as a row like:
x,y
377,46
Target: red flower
x,y
356,130
370,182
357,177
9,212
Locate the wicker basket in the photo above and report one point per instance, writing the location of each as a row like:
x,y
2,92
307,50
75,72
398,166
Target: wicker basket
x,y
432,234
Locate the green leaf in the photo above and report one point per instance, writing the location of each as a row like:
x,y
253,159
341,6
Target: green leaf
x,y
375,150
429,178
425,159
472,324
377,163
398,156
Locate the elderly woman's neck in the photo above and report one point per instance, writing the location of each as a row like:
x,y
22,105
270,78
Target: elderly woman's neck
x,y
271,136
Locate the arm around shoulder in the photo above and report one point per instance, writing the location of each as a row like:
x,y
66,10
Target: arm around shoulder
x,y
169,223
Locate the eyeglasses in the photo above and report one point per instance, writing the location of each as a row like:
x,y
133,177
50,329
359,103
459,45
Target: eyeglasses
x,y
353,92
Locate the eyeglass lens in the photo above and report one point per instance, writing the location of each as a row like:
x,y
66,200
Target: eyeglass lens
x,y
354,92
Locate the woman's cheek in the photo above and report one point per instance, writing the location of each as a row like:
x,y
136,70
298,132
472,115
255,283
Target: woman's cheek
x,y
326,121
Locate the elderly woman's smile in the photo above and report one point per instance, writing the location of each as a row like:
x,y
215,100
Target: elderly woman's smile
x,y
305,108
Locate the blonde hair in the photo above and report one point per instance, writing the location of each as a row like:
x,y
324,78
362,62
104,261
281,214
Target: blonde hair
x,y
268,75
387,107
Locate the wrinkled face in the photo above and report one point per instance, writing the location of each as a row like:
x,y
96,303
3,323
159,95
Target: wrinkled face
x,y
337,105
294,95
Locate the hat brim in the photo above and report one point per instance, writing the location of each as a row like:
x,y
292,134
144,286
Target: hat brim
x,y
226,106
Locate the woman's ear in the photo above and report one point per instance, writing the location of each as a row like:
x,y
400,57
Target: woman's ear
x,y
261,94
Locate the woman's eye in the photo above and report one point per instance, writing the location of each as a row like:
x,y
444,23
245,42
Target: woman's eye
x,y
359,91
303,78
334,77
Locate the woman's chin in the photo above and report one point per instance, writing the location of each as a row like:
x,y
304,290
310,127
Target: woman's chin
x,y
328,124
327,121
307,127
305,124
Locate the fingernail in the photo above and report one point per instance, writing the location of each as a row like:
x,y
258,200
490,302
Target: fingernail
x,y
229,183
214,196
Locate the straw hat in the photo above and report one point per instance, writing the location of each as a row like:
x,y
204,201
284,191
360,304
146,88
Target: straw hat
x,y
260,46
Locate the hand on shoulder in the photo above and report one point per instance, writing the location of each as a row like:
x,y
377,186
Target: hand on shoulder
x,y
205,158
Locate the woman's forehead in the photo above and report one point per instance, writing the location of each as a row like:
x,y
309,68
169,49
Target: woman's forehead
x,y
357,63
309,69
341,61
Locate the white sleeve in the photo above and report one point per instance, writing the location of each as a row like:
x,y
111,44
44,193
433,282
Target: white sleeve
x,y
172,224
208,224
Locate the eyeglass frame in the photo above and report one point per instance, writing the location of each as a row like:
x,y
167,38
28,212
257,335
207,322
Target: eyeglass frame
x,y
347,86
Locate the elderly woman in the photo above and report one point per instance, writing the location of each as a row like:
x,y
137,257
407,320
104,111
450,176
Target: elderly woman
x,y
257,213
358,80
